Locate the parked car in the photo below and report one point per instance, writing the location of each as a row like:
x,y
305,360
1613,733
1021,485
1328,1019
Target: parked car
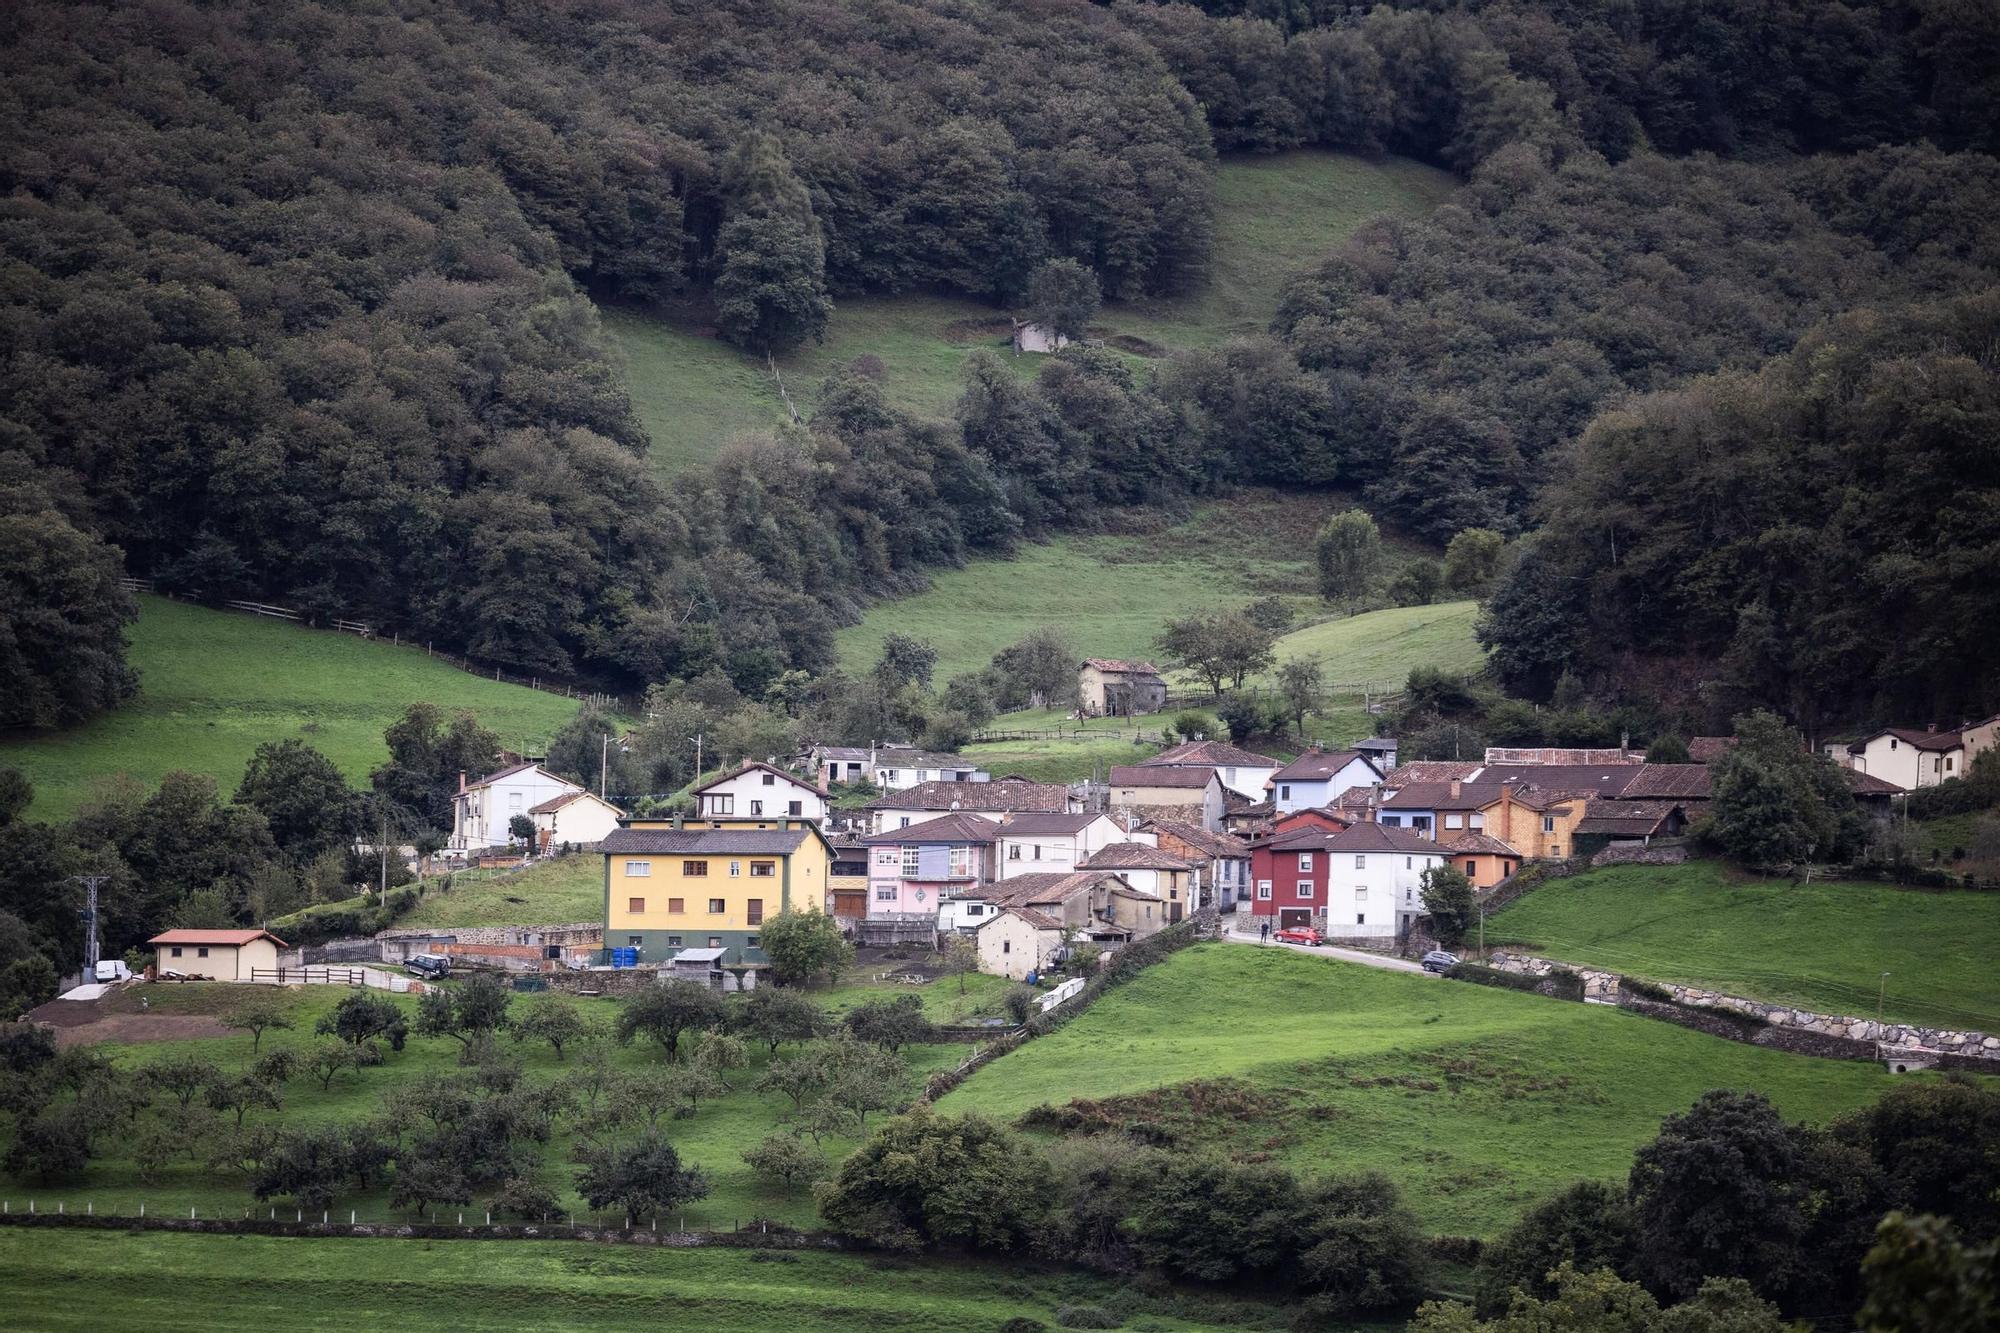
x,y
429,966
1437,960
1298,935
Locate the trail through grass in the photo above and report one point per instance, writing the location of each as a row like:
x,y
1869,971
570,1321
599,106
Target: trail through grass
x,y
1821,946
1479,1102
213,685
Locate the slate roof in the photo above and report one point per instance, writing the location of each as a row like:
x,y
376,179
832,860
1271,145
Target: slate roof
x,y
956,827
507,772
1214,754
1134,856
1318,765
1471,796
1911,736
1005,794
1432,770
1036,822
1867,784
721,842
1138,775
1039,920
1680,781
1708,749
1122,666
1359,838
1628,819
1043,886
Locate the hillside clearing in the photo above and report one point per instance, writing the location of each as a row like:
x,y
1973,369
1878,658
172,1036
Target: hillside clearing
x,y
1821,946
557,892
1479,1102
213,685
164,1280
1382,646
1275,215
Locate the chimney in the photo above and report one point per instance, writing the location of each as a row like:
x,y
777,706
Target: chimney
x,y
677,821
1454,789
461,782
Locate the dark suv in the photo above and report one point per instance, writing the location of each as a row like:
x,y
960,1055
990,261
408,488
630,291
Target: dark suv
x,y
1437,960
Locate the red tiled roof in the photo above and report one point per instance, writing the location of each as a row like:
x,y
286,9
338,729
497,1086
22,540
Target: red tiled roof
x,y
1214,754
1138,775
1867,784
1021,825
1680,781
232,938
549,807
1481,844
1432,770
1922,740
1194,835
1133,856
1708,749
1043,886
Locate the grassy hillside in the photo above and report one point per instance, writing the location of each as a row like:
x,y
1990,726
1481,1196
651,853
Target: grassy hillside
x,y
1275,216
1478,1101
215,684
169,1281
1821,947
1382,646
548,893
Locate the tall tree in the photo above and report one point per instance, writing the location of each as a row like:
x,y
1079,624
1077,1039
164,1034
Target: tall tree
x,y
307,803
1349,554
1063,296
62,612
770,292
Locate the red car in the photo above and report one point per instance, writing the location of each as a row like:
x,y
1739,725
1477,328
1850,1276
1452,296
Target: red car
x,y
1298,935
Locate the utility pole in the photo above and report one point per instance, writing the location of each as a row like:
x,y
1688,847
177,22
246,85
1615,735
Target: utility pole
x,y
696,738
90,884
603,766
1881,994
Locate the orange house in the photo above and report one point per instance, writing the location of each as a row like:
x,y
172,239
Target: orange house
x,y
1485,860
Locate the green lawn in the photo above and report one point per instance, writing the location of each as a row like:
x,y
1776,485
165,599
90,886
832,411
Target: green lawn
x,y
1478,1101
1821,947
565,890
1275,216
213,685
1380,647
713,1139
53,1279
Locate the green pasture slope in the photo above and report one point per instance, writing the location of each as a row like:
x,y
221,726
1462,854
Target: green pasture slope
x,y
213,685
1822,946
51,1280
548,893
1275,216
1382,646
1479,1102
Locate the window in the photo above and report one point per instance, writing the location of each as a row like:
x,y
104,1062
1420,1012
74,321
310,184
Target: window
x,y
1548,823
717,906
1892,742
796,808
885,776
1305,860
1006,946
735,869
1264,890
677,904
770,779
885,895
1360,918
755,941
961,860
722,803
513,800
1284,791
637,940
177,951
1360,893
715,941
1408,863
1471,867
1555,850
1305,887
1038,851
673,941
1475,820
1360,861
975,909
905,823
694,869
1454,821
909,862
756,911
201,952
763,869
635,905
638,869
1013,851
756,807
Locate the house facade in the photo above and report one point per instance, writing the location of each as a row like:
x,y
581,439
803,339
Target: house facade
x,y
1195,793
1911,758
1017,941
219,955
1114,687
761,791
1033,844
928,800
1221,860
1317,777
1361,884
1485,861
913,870
574,819
1173,880
668,887
482,811
1244,772
891,767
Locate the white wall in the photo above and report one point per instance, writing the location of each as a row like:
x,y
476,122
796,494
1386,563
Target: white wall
x,y
759,793
1290,794
1052,853
1393,885
480,816
580,822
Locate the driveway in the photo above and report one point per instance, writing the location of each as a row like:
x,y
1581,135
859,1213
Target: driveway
x,y
1361,956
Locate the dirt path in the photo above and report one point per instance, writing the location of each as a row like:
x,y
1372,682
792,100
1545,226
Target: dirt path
x,y
86,1022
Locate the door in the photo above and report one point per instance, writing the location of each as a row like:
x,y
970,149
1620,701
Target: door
x,y
1289,917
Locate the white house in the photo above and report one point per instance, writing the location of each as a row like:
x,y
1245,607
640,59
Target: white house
x,y
760,791
928,800
1368,877
1911,758
482,810
576,818
1242,771
1032,843
1016,941
892,767
1317,777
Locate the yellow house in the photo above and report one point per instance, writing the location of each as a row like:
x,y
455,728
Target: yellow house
x,y
670,886
218,955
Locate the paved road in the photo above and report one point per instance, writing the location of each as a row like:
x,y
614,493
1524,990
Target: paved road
x,y
1360,956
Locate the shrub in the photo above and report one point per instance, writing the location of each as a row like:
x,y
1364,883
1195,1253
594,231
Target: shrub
x,y
1086,1316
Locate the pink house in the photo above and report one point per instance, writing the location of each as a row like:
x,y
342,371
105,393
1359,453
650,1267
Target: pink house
x,y
911,870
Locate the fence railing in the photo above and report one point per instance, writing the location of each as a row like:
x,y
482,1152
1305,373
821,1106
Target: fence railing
x,y
309,974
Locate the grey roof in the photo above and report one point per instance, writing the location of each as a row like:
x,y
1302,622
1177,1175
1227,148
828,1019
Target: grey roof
x,y
1040,822
1318,765
952,828
721,842
1133,856
976,796
1165,775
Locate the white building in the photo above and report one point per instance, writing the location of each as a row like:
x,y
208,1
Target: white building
x,y
892,767
1032,337
901,809
1316,777
1911,758
1016,941
1032,843
483,810
760,791
575,818
1244,772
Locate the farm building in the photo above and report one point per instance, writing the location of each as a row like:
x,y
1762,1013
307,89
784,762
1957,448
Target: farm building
x,y
1113,687
218,955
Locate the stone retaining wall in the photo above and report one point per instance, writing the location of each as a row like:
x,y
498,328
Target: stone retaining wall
x,y
1600,985
1640,854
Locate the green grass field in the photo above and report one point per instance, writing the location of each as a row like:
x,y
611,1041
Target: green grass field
x,y
1382,646
213,685
1275,216
52,1279
1821,947
713,1139
1479,1102
548,893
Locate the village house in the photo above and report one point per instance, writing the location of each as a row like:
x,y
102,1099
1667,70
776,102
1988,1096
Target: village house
x,y
1242,771
1361,885
217,955
668,887
913,870
1221,860
575,819
1099,906
1379,751
1317,776
1193,794
1018,942
1112,687
891,767
1535,823
1912,758
1037,338
1037,843
1007,796
760,791
1485,860
847,880
482,813
1173,880
1638,822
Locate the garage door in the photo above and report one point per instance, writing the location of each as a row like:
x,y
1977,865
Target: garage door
x,y
1294,916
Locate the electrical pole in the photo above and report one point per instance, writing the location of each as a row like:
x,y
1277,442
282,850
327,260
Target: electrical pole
x,y
89,914
603,766
696,738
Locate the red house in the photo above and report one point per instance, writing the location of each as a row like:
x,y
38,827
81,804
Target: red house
x,y
1288,875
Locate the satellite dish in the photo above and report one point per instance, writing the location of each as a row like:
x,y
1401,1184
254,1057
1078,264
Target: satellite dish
x,y
954,805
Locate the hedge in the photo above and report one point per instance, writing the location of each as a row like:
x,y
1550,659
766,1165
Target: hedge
x,y
347,919
1561,983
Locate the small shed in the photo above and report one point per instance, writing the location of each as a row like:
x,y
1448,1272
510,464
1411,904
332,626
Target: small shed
x,y
704,965
1032,337
218,955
